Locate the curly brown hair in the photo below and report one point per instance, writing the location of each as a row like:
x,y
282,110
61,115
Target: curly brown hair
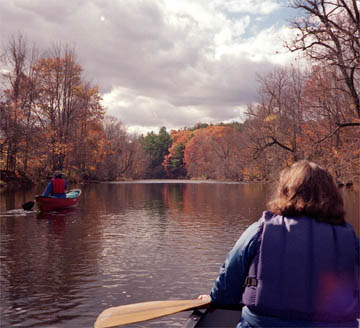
x,y
307,189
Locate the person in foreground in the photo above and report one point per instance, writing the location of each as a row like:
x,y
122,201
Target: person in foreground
x,y
298,266
56,187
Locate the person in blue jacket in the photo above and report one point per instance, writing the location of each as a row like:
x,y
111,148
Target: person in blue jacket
x,y
56,187
298,266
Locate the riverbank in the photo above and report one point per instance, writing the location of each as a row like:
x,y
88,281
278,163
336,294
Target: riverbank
x,y
10,181
14,181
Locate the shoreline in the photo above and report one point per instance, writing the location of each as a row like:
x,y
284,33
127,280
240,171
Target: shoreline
x,y
13,182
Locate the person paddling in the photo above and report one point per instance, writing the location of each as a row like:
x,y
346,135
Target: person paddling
x,y
56,187
298,266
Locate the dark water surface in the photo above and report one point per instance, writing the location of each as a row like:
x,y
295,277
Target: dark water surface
x,y
125,243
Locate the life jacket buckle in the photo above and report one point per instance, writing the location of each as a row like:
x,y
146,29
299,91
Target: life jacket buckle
x,y
250,282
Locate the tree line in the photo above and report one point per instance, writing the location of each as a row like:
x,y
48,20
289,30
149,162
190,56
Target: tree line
x,y
52,117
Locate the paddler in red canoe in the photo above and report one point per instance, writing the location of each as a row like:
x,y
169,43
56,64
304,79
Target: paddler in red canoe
x,y
56,187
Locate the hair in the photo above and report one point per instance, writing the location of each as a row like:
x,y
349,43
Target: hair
x,y
58,174
307,189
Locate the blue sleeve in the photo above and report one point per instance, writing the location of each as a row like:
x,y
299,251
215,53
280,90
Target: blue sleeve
x,y
229,285
48,189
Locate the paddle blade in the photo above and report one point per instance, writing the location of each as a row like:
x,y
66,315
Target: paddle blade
x,y
126,314
28,206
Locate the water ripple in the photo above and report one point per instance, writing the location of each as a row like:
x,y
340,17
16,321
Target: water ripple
x,y
126,243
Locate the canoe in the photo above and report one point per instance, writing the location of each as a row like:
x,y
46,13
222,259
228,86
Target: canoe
x,y
213,318
48,204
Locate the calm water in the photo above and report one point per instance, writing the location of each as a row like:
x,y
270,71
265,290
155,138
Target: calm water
x,y
125,243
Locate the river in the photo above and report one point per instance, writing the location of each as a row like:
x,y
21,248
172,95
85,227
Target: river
x,y
126,242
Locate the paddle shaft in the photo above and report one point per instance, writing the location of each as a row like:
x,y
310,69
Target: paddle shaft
x,y
131,313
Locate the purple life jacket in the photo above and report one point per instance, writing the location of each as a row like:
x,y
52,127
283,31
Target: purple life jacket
x,y
304,270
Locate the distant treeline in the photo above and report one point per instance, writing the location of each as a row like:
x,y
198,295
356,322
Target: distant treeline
x,y
52,117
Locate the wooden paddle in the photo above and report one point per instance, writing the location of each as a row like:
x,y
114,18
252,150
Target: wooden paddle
x,y
131,313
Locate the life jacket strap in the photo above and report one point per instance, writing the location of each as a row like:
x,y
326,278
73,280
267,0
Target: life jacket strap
x,y
250,282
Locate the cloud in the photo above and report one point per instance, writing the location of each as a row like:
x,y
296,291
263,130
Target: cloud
x,y
155,113
160,63
256,7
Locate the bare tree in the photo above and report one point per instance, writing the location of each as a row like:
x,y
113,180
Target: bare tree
x,y
124,156
17,120
329,34
277,119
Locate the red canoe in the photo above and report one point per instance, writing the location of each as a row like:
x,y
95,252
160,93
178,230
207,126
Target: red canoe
x,y
47,204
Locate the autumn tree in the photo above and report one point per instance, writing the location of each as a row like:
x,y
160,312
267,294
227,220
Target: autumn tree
x,y
297,117
215,152
69,112
174,162
85,148
52,118
140,161
335,148
58,105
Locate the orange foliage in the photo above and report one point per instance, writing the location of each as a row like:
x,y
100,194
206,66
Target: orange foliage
x,y
216,152
173,162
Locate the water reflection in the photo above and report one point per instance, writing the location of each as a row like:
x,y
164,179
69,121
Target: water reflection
x,y
125,243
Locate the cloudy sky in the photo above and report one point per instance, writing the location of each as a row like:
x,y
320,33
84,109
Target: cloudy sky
x,y
170,63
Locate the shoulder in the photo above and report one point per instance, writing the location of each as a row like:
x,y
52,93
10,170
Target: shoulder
x,y
348,226
250,232
249,238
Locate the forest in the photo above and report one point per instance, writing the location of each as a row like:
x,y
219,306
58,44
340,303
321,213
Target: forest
x,y
51,117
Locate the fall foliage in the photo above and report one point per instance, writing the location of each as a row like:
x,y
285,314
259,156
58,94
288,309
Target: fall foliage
x,y
215,152
52,118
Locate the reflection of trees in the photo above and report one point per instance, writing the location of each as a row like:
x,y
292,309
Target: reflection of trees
x,y
173,195
124,238
236,201
120,197
7,201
